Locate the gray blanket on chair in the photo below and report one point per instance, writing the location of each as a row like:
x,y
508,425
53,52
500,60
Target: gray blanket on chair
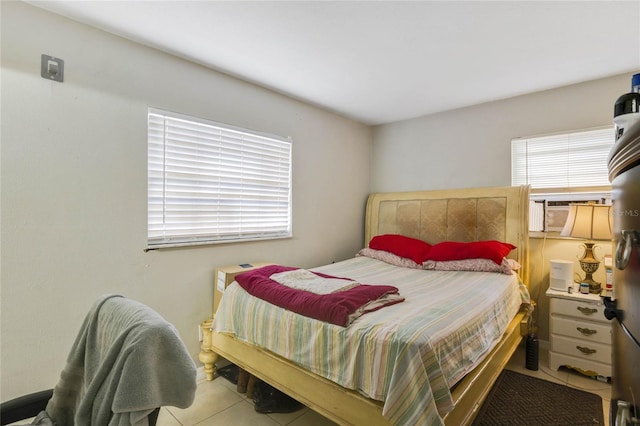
x,y
126,361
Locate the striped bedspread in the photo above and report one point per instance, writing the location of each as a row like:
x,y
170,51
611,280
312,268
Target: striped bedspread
x,y
407,355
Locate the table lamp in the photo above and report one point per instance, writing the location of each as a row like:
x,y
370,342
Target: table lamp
x,y
591,222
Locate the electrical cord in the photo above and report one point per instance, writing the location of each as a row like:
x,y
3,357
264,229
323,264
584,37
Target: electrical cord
x,y
533,313
611,312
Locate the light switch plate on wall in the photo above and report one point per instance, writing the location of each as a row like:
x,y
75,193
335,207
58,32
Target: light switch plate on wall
x,y
52,68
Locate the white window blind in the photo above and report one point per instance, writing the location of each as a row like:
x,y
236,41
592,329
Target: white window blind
x,y
210,183
569,160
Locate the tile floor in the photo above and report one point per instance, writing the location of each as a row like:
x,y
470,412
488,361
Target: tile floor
x,y
218,404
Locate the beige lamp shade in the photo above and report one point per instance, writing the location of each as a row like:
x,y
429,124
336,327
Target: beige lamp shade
x,y
588,221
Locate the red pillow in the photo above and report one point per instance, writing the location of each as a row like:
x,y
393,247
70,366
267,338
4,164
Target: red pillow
x,y
451,250
410,248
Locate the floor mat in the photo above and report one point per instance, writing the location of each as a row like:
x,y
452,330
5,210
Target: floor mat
x,y
518,399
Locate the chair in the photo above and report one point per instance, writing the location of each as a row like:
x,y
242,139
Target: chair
x,y
24,407
28,406
125,363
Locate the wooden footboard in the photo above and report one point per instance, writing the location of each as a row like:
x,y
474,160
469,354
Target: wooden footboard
x,y
345,406
472,390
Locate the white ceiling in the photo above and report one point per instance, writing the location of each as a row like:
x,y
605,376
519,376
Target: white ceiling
x,y
384,61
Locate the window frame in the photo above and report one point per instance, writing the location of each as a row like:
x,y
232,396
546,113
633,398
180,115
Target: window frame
x,y
572,153
211,183
549,200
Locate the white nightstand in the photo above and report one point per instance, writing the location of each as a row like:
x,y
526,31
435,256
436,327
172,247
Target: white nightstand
x,y
225,275
580,334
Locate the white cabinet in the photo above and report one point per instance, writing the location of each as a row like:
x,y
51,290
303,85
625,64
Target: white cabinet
x,y
580,334
225,275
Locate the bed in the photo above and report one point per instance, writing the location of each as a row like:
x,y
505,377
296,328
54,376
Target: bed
x,y
464,215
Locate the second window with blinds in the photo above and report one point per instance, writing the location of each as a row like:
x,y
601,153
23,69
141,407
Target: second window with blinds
x,y
562,168
210,182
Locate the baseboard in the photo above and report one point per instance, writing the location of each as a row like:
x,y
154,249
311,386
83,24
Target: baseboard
x,y
200,376
544,344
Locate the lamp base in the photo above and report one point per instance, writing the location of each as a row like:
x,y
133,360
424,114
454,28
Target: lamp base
x,y
589,265
594,287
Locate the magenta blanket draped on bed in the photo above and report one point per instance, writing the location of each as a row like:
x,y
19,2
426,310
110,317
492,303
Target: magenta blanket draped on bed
x,y
339,308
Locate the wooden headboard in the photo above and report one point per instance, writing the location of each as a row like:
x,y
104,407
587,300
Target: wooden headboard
x,y
475,214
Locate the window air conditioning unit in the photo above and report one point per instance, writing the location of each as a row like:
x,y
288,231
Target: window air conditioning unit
x,y
549,212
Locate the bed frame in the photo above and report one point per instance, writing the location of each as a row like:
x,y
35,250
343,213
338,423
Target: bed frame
x,y
497,213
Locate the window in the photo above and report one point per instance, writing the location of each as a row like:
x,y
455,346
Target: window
x,y
212,183
569,160
562,169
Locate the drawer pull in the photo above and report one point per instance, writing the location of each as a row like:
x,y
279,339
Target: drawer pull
x,y
586,331
587,311
585,350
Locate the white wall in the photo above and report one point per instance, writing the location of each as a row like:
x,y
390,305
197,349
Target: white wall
x,y
74,186
471,147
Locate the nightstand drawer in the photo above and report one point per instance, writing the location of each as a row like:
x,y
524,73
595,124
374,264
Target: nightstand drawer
x,y
587,331
579,309
592,351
